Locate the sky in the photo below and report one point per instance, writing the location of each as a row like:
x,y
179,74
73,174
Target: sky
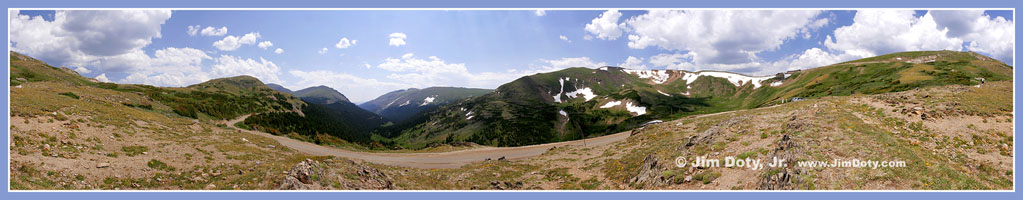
x,y
366,53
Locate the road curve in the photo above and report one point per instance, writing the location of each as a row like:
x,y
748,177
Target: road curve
x,y
453,159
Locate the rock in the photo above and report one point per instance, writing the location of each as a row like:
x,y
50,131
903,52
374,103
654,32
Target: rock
x,y
245,140
46,147
650,172
211,186
271,146
502,158
688,178
102,165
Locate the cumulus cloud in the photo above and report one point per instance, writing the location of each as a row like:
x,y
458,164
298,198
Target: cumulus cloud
x,y
541,12
82,70
554,65
265,44
994,36
672,61
633,63
606,25
564,38
211,31
231,43
192,30
262,69
167,67
809,58
433,71
323,50
86,37
345,43
279,51
397,39
876,32
356,88
102,78
718,37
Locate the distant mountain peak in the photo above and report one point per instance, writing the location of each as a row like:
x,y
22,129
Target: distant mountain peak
x,y
321,95
279,88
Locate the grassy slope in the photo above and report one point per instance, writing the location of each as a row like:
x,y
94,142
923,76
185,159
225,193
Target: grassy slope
x,y
519,113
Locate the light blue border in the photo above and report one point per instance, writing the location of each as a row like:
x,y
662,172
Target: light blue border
x,y
629,195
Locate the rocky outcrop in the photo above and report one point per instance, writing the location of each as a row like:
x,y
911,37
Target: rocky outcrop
x,y
333,175
788,176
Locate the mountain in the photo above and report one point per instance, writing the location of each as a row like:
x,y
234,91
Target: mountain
x,y
320,95
225,99
327,111
581,102
401,105
279,88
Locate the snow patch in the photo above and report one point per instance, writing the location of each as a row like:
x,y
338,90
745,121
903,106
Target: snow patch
x,y
735,79
406,103
586,92
662,93
563,113
557,97
639,110
468,115
611,104
428,100
776,84
657,76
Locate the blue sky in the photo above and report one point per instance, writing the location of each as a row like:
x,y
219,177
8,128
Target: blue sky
x,y
478,48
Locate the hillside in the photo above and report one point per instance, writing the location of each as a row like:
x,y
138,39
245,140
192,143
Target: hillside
x,y
72,133
580,102
279,88
401,105
320,95
328,118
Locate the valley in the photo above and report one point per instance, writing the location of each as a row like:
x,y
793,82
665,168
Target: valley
x,y
577,128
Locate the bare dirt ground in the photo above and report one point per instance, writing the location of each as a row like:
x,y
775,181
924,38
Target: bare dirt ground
x,y
453,159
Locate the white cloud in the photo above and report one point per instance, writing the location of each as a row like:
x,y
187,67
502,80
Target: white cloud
x,y
397,39
85,37
574,62
816,57
876,32
192,30
672,61
606,25
231,43
167,67
356,88
323,50
541,12
633,63
434,71
279,51
344,43
982,33
262,69
564,38
102,78
82,70
211,31
265,44
810,58
719,37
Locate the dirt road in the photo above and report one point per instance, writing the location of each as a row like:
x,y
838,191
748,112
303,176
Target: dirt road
x,y
453,159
